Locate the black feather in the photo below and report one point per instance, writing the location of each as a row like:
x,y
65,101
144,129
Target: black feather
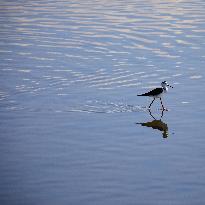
x,y
154,92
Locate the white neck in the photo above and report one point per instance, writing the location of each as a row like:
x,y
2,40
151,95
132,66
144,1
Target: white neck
x,y
165,88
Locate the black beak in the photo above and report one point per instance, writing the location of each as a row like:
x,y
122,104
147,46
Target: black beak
x,y
170,86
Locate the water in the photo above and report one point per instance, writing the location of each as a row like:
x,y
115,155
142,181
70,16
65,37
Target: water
x,y
73,130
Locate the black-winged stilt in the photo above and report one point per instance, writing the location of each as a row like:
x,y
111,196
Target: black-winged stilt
x,y
157,93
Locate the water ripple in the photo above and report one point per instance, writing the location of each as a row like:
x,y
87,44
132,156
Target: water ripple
x,y
55,47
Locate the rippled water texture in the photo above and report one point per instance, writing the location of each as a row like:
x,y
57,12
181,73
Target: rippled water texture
x,y
73,130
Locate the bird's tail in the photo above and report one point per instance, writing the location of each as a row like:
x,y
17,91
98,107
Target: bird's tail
x,y
142,94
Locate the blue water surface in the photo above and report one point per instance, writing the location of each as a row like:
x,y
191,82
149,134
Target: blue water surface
x,y
73,130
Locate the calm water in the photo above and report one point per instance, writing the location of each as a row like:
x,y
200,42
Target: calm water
x,y
73,130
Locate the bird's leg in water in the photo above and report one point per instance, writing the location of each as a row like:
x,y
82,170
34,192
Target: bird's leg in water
x,y
151,103
162,104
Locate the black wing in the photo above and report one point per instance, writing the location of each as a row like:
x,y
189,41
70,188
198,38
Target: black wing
x,y
156,91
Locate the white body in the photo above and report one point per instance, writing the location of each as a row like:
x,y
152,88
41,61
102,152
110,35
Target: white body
x,y
165,90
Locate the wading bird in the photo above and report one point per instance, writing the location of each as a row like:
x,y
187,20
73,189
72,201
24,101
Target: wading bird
x,y
157,93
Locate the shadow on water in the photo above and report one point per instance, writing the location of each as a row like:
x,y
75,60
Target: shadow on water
x,y
157,124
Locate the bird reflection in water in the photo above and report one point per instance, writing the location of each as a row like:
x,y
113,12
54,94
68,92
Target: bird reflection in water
x,y
157,124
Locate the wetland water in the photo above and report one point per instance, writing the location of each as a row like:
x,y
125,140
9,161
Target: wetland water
x,y
73,130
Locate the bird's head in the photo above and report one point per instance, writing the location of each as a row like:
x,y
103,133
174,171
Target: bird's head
x,y
165,84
